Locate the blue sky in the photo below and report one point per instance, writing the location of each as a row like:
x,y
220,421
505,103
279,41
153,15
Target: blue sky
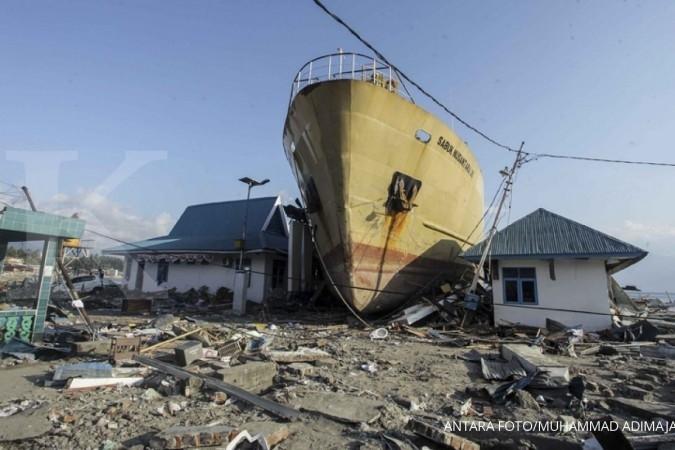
x,y
206,85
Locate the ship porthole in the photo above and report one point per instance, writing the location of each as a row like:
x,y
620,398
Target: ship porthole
x,y
423,136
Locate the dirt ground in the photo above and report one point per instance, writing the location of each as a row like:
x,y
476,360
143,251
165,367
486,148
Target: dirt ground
x,y
399,378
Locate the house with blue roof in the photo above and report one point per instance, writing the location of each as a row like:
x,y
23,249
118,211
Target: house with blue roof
x,y
203,249
547,266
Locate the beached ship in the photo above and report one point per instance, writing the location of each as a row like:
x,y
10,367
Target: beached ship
x,y
392,193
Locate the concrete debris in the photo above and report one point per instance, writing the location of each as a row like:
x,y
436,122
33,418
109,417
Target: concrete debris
x,y
302,369
150,394
27,424
440,436
645,409
302,354
525,400
234,391
254,376
342,407
187,352
202,380
180,437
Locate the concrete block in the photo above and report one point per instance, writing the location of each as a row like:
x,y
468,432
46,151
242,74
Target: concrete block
x,y
302,369
342,407
188,352
255,377
100,347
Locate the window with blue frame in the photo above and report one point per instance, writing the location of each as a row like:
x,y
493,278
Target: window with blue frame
x,y
520,285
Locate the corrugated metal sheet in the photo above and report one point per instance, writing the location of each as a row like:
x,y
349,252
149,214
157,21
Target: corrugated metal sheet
x,y
214,227
545,234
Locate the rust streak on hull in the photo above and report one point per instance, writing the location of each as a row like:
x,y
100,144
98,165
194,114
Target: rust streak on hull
x,y
345,141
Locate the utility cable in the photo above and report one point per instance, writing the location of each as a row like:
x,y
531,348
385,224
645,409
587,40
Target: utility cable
x,y
411,81
487,210
482,134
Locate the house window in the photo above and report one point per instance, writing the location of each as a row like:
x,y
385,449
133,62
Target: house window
x,y
520,285
162,272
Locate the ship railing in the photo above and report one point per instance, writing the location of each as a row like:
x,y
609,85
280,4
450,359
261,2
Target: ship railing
x,y
350,66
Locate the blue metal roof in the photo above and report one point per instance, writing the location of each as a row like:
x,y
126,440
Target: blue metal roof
x,y
543,234
214,227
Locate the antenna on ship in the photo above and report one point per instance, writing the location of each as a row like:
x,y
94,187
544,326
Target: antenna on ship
x,y
471,299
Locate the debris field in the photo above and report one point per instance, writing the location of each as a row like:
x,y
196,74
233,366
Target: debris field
x,y
322,380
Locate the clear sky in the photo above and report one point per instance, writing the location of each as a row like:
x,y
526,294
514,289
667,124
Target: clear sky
x,y
205,86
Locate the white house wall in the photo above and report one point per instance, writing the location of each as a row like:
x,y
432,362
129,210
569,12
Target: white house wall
x,y
183,277
257,289
580,285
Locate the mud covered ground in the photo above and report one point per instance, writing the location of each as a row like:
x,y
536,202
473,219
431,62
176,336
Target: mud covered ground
x,y
381,383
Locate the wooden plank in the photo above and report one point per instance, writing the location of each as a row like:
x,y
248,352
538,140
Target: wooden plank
x,y
168,341
88,383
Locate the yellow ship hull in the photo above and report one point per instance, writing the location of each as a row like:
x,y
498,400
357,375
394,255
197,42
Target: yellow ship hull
x,y
347,142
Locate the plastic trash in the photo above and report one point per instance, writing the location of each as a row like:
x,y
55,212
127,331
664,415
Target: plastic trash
x,y
380,333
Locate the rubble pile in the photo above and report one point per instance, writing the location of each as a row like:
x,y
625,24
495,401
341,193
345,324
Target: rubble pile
x,y
202,380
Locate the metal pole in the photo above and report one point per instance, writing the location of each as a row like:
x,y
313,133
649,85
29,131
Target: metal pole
x,y
374,82
390,86
243,231
29,198
309,77
493,229
340,65
353,63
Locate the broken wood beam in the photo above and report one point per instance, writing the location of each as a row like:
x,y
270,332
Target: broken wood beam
x,y
168,341
272,407
178,437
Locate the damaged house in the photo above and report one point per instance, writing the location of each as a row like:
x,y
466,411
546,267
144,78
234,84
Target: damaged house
x,y
547,266
203,249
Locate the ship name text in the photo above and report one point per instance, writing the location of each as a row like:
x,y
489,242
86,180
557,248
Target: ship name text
x,y
452,151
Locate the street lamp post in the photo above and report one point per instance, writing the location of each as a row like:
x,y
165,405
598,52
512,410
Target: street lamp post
x,y
251,184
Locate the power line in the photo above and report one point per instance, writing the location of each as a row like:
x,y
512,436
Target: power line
x,y
411,81
606,160
464,122
487,210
